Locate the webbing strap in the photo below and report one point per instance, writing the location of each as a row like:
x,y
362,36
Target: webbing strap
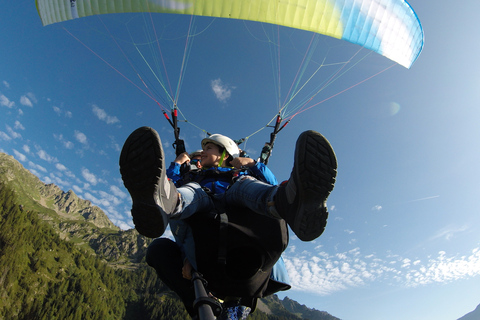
x,y
223,233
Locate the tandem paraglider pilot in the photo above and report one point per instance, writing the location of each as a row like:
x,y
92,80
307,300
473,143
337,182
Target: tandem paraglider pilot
x,y
237,212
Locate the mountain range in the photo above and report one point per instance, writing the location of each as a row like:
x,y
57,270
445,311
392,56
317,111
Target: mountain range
x,y
62,258
474,315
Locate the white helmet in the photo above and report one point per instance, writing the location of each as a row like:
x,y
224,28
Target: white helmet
x,y
224,142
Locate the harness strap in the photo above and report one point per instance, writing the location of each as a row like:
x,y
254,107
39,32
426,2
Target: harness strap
x,y
223,236
199,175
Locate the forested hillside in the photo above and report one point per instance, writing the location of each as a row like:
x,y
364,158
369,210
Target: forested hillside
x,y
45,277
62,258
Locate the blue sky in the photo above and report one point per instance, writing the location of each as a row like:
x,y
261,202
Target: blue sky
x,y
402,241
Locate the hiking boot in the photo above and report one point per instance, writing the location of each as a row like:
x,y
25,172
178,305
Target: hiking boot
x,y
142,166
302,201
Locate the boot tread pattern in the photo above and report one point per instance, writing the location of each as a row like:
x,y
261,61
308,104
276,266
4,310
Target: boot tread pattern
x,y
316,167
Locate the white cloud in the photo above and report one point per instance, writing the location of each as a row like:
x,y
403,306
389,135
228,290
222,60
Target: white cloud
x,y
449,232
100,202
222,91
36,166
28,99
25,101
77,189
67,144
81,137
113,144
58,181
35,172
406,263
90,197
116,191
18,125
45,156
26,148
443,269
90,177
70,174
13,134
325,274
60,167
6,84
32,97
377,208
60,112
102,115
5,102
113,200
122,224
19,156
4,136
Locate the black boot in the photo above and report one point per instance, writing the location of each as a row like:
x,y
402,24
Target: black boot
x,y
142,166
302,201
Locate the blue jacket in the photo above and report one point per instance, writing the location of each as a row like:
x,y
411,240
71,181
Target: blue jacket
x,y
219,184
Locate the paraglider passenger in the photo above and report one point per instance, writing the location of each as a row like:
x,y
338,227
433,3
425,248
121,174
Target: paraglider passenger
x,y
162,253
218,184
156,200
301,202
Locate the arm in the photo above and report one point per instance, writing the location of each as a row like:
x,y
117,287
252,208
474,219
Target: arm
x,y
173,172
262,173
256,169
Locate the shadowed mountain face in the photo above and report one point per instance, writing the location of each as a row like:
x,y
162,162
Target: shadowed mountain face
x,y
474,315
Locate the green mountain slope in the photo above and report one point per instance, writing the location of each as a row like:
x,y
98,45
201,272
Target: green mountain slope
x,y
62,258
46,277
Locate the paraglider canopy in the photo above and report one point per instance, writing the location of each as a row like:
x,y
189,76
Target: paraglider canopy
x,y
388,27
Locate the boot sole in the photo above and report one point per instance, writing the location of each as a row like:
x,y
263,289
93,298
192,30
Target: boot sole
x,y
314,175
142,168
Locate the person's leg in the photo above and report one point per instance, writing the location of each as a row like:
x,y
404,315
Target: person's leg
x,y
253,194
302,201
192,199
142,166
166,258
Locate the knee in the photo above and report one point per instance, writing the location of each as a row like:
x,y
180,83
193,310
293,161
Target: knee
x,y
160,249
191,186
